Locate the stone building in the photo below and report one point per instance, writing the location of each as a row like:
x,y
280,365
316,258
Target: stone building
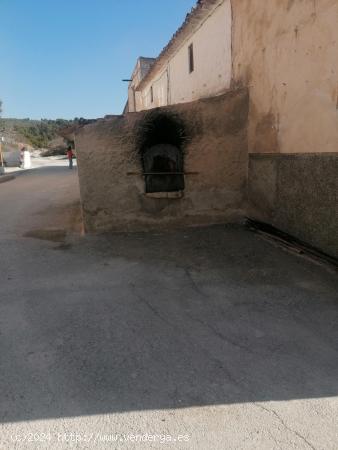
x,y
236,117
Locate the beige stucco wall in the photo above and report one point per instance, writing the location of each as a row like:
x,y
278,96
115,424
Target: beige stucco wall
x,y
286,52
215,151
212,58
142,67
161,91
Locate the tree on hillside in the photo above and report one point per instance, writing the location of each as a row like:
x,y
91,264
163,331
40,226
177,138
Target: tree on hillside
x,y
40,133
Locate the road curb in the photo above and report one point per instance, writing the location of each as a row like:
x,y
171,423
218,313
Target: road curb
x,y
4,178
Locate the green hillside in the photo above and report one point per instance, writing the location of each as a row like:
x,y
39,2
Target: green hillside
x,y
36,133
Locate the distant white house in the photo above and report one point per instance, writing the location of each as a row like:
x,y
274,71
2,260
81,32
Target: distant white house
x,y
195,64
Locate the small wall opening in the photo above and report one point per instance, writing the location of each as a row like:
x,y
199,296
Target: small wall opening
x,y
161,143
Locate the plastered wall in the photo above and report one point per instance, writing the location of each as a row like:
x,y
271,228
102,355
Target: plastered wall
x,y
212,61
215,151
286,51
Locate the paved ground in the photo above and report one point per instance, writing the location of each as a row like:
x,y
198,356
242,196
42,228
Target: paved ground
x,y
211,334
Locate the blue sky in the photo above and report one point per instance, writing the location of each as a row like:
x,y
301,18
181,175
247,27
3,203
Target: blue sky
x,y
66,58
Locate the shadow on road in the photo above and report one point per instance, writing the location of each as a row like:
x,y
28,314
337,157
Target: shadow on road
x,y
171,320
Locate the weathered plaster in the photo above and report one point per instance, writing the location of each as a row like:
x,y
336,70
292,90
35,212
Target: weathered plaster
x,y
212,60
286,53
215,150
297,193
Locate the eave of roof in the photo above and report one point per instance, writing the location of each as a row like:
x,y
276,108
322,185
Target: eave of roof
x,y
146,59
193,19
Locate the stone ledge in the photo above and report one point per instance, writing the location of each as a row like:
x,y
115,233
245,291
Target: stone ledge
x,y
170,195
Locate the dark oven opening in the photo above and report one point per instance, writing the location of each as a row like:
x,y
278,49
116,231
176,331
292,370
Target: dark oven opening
x,y
161,147
163,169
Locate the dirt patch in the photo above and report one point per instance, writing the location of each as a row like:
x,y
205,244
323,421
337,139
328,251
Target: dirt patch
x,y
54,235
63,246
65,217
57,222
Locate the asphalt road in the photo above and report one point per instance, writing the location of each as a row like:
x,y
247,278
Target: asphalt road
x,y
205,338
